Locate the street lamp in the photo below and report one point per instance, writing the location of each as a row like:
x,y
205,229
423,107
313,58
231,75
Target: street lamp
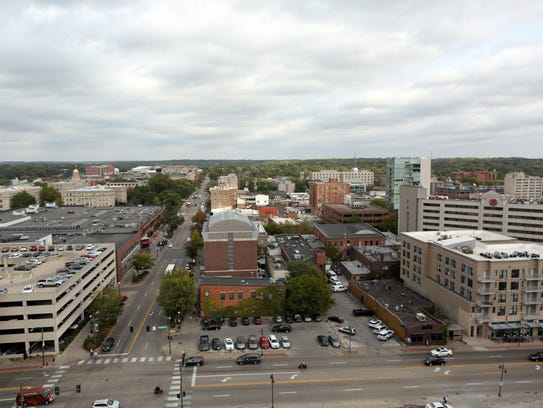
x,y
502,372
169,334
119,287
272,382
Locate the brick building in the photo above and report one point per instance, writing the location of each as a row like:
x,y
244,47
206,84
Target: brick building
x,y
342,214
347,236
332,192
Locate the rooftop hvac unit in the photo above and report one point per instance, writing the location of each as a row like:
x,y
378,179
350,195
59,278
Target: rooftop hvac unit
x,y
421,317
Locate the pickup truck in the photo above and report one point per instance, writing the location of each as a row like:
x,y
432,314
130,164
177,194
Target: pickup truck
x,y
49,282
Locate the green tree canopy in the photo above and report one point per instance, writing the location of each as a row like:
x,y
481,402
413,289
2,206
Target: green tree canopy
x,y
390,223
22,199
332,252
177,294
303,267
379,202
142,261
49,195
308,294
106,307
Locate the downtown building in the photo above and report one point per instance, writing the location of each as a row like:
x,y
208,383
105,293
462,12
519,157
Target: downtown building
x,y
413,171
488,283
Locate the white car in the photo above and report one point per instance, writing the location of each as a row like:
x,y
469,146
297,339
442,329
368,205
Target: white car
x,y
339,288
385,335
170,245
28,289
441,352
274,343
229,344
373,323
285,342
379,327
106,403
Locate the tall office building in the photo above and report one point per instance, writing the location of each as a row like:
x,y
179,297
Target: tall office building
x,y
416,171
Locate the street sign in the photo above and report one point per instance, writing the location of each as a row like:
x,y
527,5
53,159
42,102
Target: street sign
x,y
161,327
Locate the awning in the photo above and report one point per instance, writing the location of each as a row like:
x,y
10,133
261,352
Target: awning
x,y
505,326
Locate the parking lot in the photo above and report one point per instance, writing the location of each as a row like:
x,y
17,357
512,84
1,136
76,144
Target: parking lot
x,y
303,337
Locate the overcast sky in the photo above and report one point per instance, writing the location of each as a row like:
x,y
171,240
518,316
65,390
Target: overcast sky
x,y
158,80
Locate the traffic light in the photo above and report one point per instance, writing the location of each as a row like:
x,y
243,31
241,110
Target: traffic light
x,y
131,329
57,390
148,328
179,394
77,388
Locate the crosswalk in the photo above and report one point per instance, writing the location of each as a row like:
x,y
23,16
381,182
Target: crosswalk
x,y
124,360
176,388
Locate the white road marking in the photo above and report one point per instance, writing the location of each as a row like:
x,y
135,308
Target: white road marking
x,y
279,365
412,386
474,383
225,366
287,392
220,395
226,379
193,380
352,389
523,382
495,356
390,361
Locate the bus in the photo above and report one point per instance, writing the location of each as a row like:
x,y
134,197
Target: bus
x,y
169,269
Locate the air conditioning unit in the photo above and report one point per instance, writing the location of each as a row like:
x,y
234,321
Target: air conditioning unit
x,y
421,317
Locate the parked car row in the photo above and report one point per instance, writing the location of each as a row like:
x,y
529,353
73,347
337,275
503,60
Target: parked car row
x,y
252,343
331,340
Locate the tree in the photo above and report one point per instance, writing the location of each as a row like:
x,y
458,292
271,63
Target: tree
x,y
106,307
379,202
49,195
22,199
177,295
390,223
332,252
196,242
303,267
199,218
309,294
142,261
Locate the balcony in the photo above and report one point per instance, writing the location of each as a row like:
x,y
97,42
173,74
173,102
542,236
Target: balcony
x,y
486,279
530,316
485,290
533,289
484,304
484,318
533,277
531,300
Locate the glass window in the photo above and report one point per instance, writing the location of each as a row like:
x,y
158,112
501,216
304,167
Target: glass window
x,y
223,295
514,297
515,273
240,295
502,297
502,286
501,310
512,310
514,285
231,295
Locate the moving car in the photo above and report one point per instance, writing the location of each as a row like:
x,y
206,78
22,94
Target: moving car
x,y
204,343
274,343
285,342
106,403
35,396
194,361
334,341
282,328
347,330
228,344
322,340
251,358
336,319
536,356
434,360
108,344
441,352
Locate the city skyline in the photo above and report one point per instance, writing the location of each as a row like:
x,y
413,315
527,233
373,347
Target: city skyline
x,y
136,80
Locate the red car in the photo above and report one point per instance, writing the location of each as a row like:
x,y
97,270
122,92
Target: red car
x,y
264,342
257,320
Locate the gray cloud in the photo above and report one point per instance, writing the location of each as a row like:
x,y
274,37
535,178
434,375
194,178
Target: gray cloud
x,y
94,80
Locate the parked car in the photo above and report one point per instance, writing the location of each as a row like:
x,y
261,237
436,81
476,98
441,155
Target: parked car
x,y
108,344
282,328
228,344
264,342
379,328
27,289
339,288
285,342
252,342
49,282
211,326
322,340
536,356
336,319
373,323
251,358
317,317
385,335
233,321
441,352
334,341
216,343
434,360
277,319
274,343
257,320
240,343
194,361
245,321
204,342
363,312
347,330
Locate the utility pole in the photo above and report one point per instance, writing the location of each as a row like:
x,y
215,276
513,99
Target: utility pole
x,y
272,379
502,372
181,392
169,334
42,349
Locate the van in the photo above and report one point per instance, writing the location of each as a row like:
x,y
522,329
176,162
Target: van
x,y
35,396
329,274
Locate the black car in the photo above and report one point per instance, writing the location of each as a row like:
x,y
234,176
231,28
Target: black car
x,y
434,360
251,358
536,356
363,312
233,321
108,344
322,340
204,342
216,343
245,321
336,319
317,317
289,319
194,361
211,326
240,343
282,328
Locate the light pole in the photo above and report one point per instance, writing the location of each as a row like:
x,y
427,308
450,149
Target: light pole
x,y
502,372
119,287
169,334
272,382
181,392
